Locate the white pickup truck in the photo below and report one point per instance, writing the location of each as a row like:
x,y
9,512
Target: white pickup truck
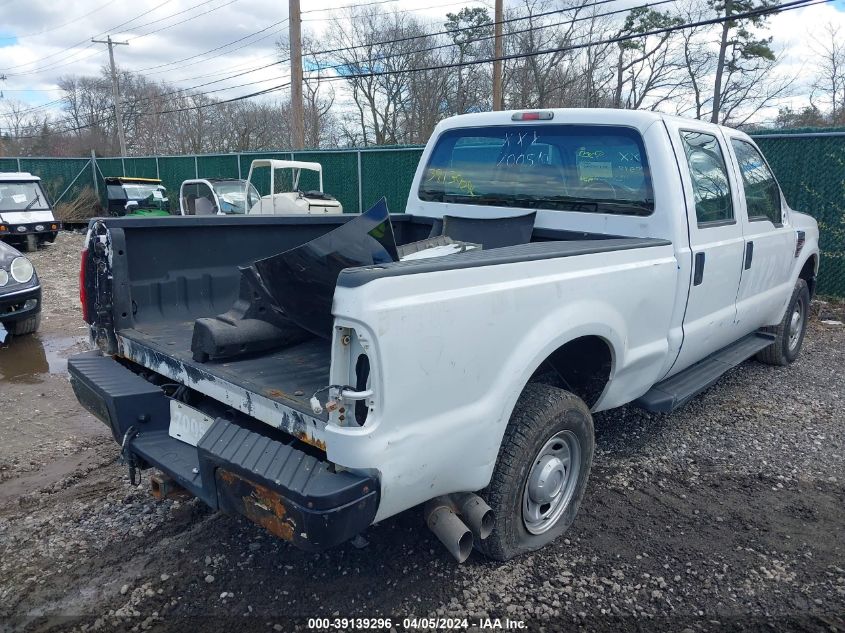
x,y
616,257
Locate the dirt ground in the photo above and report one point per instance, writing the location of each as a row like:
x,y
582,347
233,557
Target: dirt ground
x,y
726,515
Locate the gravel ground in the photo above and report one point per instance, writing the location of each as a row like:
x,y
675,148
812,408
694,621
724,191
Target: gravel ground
x,y
726,515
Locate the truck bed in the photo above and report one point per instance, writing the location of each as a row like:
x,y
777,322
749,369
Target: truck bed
x,y
171,271
288,377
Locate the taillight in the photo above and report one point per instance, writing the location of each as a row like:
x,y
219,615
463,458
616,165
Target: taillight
x,y
83,291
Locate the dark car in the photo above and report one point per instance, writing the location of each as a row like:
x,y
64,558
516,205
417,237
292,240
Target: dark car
x,y
20,294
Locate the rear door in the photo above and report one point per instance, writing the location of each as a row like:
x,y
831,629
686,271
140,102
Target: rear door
x,y
716,241
769,239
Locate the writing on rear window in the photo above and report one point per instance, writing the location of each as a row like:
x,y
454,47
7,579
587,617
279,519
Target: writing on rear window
x,y
598,169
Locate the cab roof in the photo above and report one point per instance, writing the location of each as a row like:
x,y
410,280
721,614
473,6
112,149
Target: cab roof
x,y
18,176
639,119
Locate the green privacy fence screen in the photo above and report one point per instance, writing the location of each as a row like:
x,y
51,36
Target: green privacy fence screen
x,y
810,167
811,171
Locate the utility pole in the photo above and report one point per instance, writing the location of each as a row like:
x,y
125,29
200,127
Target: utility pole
x,y
297,111
498,52
115,90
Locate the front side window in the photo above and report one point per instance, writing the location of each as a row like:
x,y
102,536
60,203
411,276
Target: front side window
x,y
22,196
586,168
710,185
762,195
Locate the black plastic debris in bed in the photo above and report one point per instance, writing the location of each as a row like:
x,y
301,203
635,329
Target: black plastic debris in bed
x,y
287,298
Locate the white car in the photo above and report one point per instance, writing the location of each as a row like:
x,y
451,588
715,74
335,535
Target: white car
x,y
26,215
618,257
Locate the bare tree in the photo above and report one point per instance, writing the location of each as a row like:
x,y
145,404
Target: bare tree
x,y
829,83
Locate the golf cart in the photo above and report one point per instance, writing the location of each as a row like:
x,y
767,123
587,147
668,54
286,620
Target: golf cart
x,y
136,196
26,216
294,201
218,196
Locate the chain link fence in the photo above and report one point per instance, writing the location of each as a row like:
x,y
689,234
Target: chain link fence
x,y
810,167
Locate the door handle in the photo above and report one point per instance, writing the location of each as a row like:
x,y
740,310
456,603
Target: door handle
x,y
698,275
749,254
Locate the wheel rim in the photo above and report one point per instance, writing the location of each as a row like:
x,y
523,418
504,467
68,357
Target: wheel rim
x,y
551,482
796,325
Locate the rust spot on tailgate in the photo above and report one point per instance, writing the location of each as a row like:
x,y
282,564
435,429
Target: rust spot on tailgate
x,y
313,441
256,502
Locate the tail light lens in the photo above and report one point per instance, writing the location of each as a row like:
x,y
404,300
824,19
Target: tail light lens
x,y
83,290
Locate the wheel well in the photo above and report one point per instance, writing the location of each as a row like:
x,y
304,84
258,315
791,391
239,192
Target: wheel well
x,y
808,274
581,366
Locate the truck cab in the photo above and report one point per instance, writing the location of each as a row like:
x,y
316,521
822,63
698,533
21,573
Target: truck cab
x,y
26,215
313,377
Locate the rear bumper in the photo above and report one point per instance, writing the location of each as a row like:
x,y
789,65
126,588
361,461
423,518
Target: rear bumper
x,y
19,304
293,493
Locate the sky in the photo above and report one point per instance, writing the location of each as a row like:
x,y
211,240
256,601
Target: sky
x,y
172,40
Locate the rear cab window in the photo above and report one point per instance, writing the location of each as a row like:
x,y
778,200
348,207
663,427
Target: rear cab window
x,y
709,176
584,168
762,194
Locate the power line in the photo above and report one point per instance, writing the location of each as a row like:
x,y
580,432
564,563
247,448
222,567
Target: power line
x,y
436,47
59,26
436,6
179,61
408,38
163,28
795,4
342,65
193,17
349,6
509,33
86,40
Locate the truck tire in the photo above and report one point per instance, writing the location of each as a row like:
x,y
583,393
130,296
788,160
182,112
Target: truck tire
x,y
541,471
26,326
789,333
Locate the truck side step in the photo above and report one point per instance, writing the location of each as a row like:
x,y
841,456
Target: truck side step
x,y
676,391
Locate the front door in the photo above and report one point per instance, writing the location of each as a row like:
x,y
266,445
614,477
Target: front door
x,y
769,241
716,243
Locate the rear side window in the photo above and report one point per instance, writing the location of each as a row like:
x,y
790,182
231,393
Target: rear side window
x,y
586,168
762,195
710,184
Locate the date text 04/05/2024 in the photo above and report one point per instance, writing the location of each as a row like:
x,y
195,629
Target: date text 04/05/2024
x,y
328,624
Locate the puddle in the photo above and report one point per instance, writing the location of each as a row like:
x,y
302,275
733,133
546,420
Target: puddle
x,y
27,359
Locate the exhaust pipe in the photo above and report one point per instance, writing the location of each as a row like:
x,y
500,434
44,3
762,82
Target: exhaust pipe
x,y
455,519
476,513
446,525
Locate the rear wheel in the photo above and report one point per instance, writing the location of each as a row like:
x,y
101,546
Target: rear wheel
x,y
25,326
789,333
541,472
